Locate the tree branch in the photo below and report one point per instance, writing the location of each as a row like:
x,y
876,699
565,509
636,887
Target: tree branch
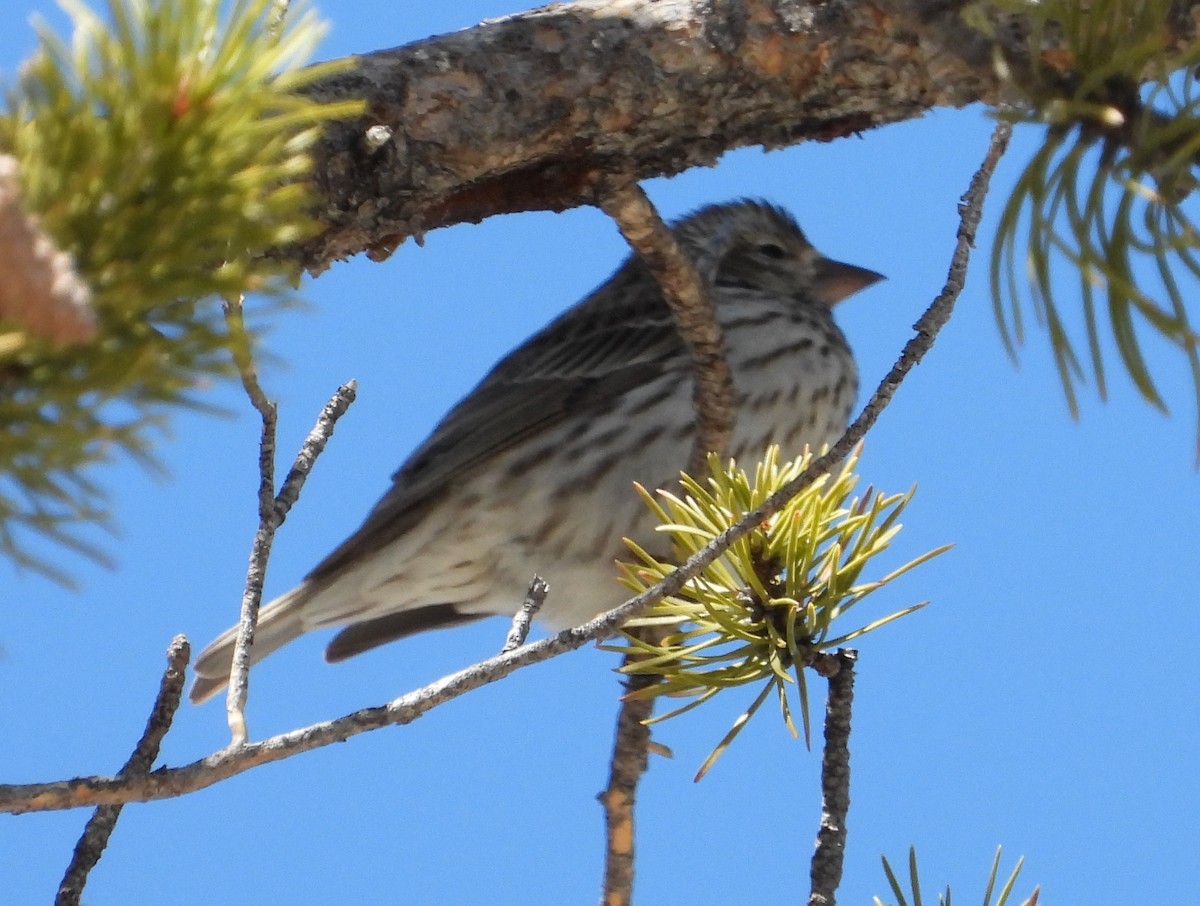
x,y
533,111
535,597
313,446
268,521
692,307
100,826
830,853
630,757
272,508
169,782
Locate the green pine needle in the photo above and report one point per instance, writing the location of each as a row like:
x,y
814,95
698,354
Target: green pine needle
x,y
164,147
768,607
1105,192
914,881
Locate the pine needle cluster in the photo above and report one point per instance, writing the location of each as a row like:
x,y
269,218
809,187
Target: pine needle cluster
x,y
772,604
1107,191
164,149
1003,895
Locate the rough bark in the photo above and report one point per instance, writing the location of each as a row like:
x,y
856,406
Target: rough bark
x,y
531,111
528,112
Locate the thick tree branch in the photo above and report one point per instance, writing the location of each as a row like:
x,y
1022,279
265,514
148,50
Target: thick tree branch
x,y
169,782
534,111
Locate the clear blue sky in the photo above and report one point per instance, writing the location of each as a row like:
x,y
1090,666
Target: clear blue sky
x,y
1045,701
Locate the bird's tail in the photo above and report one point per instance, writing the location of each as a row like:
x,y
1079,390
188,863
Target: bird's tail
x,y
278,623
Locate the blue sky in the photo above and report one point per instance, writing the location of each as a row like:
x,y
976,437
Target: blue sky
x,y
1045,701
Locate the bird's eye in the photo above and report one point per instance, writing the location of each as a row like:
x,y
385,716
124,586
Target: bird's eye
x,y
771,250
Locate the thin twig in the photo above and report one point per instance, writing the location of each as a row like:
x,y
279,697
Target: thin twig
x,y
835,764
630,757
926,330
272,508
100,826
692,308
830,853
535,597
314,444
170,782
268,521
687,294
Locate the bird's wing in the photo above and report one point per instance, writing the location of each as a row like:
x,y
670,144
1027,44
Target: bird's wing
x,y
617,339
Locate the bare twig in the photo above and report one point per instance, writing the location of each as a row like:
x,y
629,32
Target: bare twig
x,y
272,509
835,765
828,858
927,328
313,446
691,306
170,782
100,826
268,521
535,597
630,757
687,294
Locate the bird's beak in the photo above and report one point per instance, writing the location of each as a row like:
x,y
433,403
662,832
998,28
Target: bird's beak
x,y
836,280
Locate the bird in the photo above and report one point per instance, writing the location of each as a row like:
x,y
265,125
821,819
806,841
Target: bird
x,y
533,471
